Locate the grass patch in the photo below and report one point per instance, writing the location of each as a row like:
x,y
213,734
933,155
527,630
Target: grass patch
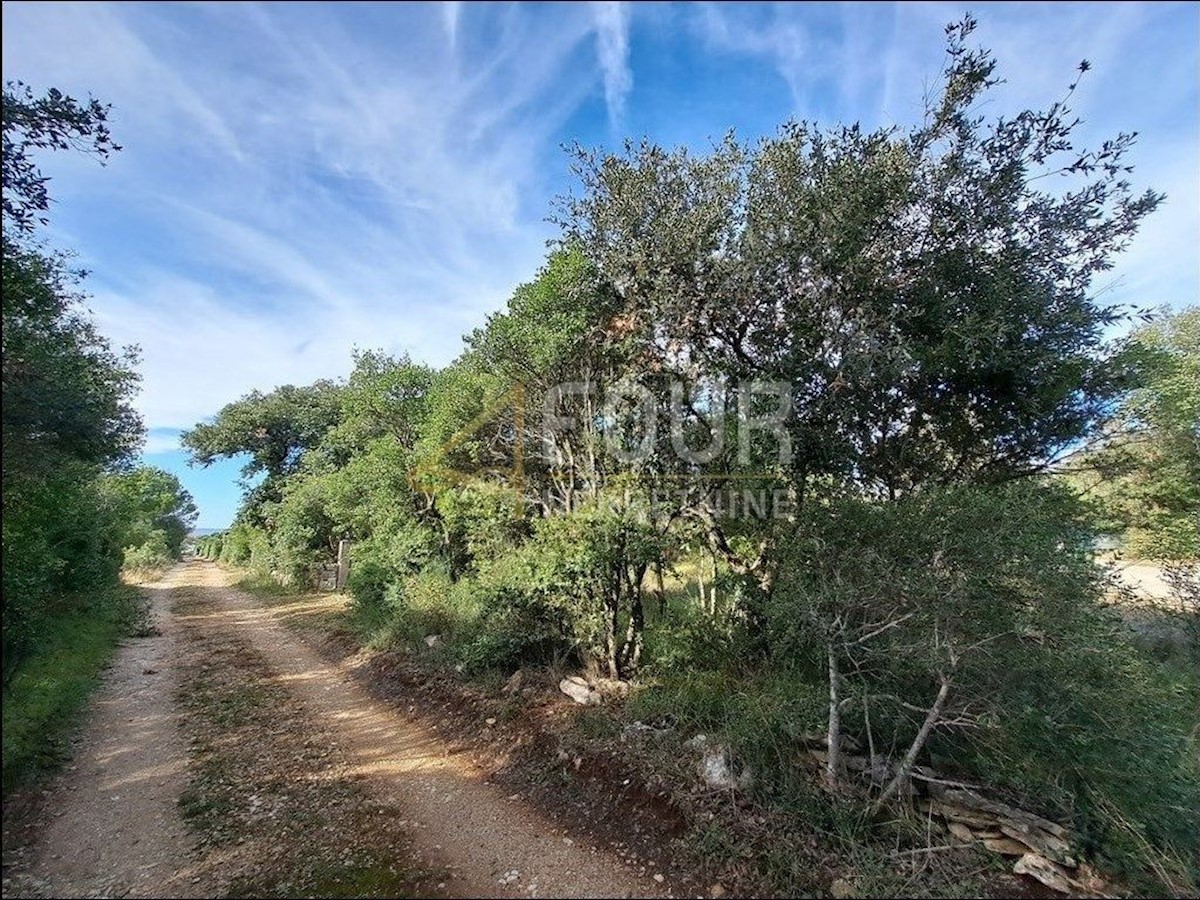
x,y
360,875
45,696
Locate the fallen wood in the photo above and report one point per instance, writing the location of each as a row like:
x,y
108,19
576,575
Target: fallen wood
x,y
1044,848
1006,846
959,814
960,831
1048,873
1047,845
972,800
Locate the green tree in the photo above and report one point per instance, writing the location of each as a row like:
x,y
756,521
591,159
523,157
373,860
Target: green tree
x,y
66,394
273,430
154,506
53,122
383,397
926,293
1144,472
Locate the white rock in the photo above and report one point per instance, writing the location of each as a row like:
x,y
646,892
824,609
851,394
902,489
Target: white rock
x,y
717,773
432,640
579,690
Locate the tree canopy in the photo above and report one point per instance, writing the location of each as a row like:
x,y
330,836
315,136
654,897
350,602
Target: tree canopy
x,y
69,426
55,121
924,292
1144,467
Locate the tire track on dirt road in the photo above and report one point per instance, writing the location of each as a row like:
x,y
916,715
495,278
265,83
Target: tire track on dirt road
x,y
493,845
324,753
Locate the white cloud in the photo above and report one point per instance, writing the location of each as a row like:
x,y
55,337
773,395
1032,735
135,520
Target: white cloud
x,y
783,40
612,48
292,187
161,440
87,47
451,11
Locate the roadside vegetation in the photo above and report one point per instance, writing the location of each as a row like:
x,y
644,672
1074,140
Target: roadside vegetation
x,y
44,697
76,510
896,553
1142,470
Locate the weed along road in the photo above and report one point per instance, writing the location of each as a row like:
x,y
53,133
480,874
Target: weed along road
x,y
224,756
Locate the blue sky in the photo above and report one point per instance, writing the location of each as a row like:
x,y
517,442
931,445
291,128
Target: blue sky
x,y
298,180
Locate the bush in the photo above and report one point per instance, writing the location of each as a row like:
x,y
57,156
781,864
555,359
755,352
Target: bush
x,y
61,539
429,603
687,639
248,546
482,522
235,547
368,585
152,556
496,620
517,625
995,590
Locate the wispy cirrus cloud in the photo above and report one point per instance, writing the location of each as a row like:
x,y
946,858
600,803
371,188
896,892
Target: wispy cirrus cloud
x,y
451,10
612,47
296,182
876,64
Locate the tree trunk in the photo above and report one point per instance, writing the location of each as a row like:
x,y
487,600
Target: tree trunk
x,y
661,589
833,762
637,628
612,604
900,780
631,650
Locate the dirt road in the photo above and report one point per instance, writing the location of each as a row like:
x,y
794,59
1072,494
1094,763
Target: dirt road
x,y
276,752
109,825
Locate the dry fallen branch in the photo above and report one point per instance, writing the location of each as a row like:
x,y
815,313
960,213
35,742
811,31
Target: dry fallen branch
x,y
1044,849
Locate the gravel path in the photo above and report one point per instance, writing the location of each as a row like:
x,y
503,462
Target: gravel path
x,y
111,825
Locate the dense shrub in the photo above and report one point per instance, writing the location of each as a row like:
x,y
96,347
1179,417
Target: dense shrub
x,y
153,555
481,522
993,592
61,539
